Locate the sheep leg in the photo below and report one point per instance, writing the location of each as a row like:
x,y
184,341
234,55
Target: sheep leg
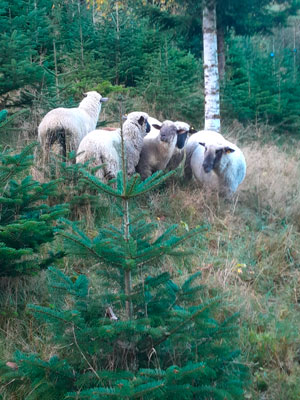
x,y
188,172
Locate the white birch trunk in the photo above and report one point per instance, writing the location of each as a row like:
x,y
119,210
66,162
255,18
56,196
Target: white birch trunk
x,y
210,66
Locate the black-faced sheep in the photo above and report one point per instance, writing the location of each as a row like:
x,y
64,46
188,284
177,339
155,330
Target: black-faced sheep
x,y
179,151
210,155
105,146
158,149
62,129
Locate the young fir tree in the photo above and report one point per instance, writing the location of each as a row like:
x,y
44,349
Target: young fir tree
x,y
26,221
140,335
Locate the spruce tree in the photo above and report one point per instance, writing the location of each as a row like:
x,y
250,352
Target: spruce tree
x,y
140,335
26,220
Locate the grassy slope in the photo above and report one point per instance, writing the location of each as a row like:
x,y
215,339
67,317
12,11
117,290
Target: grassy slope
x,y
251,252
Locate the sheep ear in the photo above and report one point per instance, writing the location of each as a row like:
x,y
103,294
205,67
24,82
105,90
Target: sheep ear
x,y
103,99
156,126
202,144
141,120
192,130
228,150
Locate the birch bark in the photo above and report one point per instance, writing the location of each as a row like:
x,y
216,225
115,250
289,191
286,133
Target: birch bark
x,y
210,66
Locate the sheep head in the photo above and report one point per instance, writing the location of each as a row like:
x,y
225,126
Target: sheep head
x,y
140,119
168,131
213,154
96,95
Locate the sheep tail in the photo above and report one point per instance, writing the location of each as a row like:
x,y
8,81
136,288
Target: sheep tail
x,y
57,141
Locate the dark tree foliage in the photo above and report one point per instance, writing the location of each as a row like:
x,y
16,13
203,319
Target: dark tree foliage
x,y
185,16
260,84
26,221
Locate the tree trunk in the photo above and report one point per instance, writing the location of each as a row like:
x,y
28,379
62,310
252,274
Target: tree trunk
x,y
80,34
221,52
55,69
210,66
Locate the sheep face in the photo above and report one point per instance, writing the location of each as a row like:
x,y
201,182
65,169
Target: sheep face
x,y
148,126
140,119
183,129
181,139
169,130
213,155
96,95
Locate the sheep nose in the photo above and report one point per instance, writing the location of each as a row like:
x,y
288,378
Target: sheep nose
x,y
207,168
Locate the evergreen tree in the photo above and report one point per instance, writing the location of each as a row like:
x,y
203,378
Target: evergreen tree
x,y
172,84
26,221
23,39
260,84
140,335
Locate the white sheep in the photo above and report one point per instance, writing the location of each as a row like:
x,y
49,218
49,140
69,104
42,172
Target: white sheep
x,y
62,129
104,146
209,154
158,149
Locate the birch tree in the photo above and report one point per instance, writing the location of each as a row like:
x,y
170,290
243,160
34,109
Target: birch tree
x,y
210,67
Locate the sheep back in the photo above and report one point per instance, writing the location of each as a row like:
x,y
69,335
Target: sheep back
x,y
101,147
62,129
105,146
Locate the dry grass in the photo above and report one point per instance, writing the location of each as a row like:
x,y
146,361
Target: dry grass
x,y
272,181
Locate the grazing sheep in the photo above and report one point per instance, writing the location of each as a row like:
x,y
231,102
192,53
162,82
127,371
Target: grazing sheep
x,y
62,129
105,146
210,154
157,150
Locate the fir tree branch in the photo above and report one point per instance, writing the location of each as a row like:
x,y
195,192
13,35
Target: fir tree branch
x,y
80,351
44,311
73,239
179,326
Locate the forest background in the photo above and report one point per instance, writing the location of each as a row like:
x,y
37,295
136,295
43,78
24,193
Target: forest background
x,y
150,54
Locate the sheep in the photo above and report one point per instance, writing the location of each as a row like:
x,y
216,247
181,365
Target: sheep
x,y
179,150
157,150
209,154
105,147
62,129
178,153
153,131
